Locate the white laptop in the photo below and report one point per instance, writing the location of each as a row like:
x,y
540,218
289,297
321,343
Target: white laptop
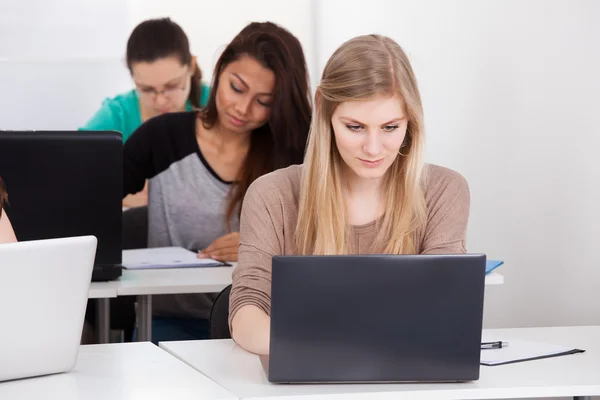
x,y
44,287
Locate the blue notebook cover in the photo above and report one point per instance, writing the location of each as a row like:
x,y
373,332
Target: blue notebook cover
x,y
491,265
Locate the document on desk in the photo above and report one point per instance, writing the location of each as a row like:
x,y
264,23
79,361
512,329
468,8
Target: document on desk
x,y
520,350
165,257
491,265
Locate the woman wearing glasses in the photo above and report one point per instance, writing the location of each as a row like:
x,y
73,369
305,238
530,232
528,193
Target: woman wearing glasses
x,y
200,164
166,79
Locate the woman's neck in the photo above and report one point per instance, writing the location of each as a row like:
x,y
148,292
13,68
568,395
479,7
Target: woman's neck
x,y
364,199
223,141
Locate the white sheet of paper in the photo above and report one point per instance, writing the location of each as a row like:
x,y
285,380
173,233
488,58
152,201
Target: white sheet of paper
x,y
165,257
519,350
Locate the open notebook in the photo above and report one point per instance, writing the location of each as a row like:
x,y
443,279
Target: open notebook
x,y
520,350
165,257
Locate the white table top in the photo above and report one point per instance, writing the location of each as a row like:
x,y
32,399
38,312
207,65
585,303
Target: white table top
x,y
575,375
173,281
494,278
128,371
184,280
103,290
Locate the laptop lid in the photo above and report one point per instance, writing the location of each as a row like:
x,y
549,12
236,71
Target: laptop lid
x,y
63,184
376,318
44,288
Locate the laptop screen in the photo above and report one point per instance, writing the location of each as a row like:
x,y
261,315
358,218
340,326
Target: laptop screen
x,y
63,184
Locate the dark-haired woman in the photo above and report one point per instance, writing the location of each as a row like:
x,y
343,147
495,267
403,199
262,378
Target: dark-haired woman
x,y
165,75
200,164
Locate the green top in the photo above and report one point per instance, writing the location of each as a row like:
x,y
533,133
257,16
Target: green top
x,y
122,113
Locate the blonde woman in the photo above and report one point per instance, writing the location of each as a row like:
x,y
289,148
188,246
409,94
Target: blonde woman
x,y
7,234
363,187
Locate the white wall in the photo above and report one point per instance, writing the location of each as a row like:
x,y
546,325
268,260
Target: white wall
x,y
210,25
511,91
59,59
511,95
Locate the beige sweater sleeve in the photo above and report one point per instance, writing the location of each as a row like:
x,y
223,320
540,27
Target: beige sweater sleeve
x,y
448,203
261,237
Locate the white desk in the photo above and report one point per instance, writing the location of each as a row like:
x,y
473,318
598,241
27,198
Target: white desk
x,y
103,290
129,371
494,278
145,283
575,375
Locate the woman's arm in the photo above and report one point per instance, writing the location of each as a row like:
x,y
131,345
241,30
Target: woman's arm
x,y
139,199
7,234
261,237
448,204
252,328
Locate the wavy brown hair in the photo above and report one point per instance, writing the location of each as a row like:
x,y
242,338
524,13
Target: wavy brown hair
x,y
282,140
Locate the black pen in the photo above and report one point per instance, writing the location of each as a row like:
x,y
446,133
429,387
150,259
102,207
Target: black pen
x,y
493,345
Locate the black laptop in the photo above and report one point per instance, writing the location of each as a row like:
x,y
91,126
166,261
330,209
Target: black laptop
x,y
63,184
376,318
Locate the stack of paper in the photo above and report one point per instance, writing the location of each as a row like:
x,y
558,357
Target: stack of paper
x,y
520,350
165,257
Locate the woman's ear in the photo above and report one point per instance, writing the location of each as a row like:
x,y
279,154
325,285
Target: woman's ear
x,y
193,63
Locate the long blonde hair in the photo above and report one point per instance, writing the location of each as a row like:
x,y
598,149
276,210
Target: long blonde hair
x,y
362,68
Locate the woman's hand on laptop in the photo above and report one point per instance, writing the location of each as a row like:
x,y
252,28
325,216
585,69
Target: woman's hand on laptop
x,y
224,248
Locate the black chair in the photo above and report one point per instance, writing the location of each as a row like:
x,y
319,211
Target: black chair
x,y
219,316
135,228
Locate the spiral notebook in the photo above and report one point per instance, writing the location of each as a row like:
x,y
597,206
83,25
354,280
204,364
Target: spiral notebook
x,y
166,257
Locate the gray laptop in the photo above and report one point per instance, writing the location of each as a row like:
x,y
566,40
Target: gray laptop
x,y
376,318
